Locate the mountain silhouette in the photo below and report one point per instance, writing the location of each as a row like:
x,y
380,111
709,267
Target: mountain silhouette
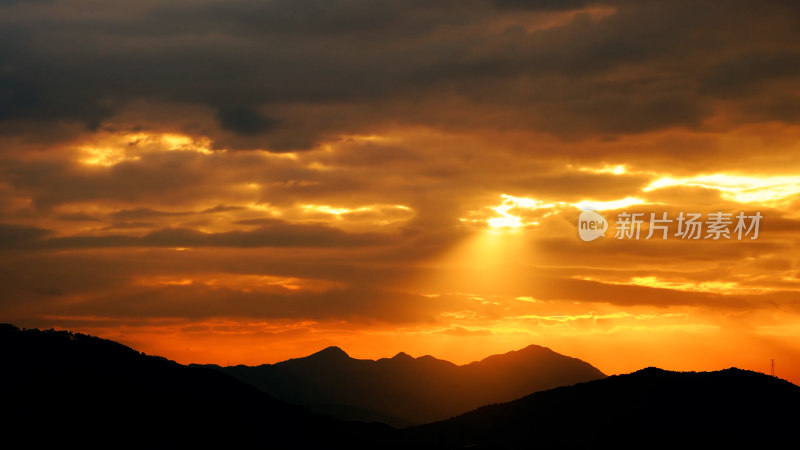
x,y
651,408
404,390
62,388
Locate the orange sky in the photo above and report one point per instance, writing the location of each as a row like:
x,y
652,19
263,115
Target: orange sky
x,y
255,181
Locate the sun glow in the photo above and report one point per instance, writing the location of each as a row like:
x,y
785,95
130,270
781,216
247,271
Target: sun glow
x,y
509,220
519,212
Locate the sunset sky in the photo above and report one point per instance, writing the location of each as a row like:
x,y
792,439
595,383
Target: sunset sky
x,y
248,181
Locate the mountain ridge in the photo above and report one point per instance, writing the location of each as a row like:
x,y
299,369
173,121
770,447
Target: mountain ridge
x,y
71,387
410,390
648,408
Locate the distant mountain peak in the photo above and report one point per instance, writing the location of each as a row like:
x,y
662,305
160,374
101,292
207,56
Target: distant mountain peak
x,y
650,370
534,347
402,356
332,352
397,389
530,353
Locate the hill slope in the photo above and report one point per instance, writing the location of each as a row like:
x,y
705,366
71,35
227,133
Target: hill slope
x,y
651,408
59,387
404,390
64,388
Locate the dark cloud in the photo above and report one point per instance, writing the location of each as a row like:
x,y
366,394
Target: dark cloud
x,y
323,17
123,200
270,233
746,74
353,305
148,213
222,209
145,213
129,225
14,236
245,121
77,217
274,233
286,74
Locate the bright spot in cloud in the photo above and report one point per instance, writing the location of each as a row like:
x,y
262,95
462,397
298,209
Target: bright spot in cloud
x,y
608,205
338,211
717,287
109,150
517,212
361,218
265,207
508,220
619,169
95,156
741,189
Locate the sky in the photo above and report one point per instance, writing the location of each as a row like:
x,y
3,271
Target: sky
x,y
248,181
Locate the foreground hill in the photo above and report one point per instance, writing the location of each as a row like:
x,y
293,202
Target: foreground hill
x,y
67,388
651,408
404,390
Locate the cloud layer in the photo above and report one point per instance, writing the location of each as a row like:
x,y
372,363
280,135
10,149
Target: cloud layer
x,y
280,175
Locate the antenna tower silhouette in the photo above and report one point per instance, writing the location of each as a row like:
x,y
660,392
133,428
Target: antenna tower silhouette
x,y
772,367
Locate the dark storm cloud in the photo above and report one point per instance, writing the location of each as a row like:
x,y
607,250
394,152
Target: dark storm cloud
x,y
148,213
39,282
642,66
77,217
359,303
746,74
270,233
322,17
14,236
52,183
129,225
174,178
245,121
145,213
354,305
